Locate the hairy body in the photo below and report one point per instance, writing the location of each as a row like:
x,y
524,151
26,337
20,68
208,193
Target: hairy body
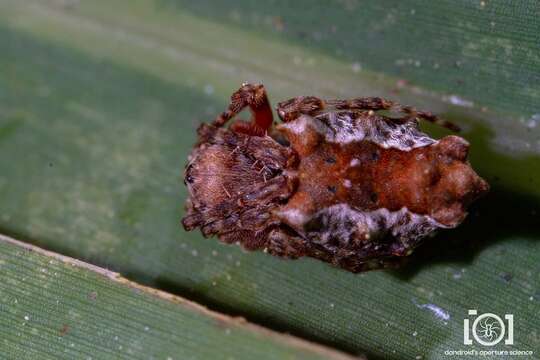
x,y
336,181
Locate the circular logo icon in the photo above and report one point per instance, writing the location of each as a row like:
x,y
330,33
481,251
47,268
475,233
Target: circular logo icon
x,y
488,329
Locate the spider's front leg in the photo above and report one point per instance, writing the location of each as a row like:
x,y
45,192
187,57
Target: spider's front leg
x,y
377,103
252,96
302,105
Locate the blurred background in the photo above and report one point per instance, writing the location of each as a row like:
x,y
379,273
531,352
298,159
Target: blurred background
x,y
99,102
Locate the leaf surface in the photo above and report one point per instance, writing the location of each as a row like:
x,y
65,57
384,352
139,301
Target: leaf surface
x,y
99,102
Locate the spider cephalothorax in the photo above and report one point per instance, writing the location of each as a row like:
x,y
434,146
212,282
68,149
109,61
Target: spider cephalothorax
x,y
335,180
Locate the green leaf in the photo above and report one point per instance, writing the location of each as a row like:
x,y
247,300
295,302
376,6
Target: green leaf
x,y
55,307
485,51
99,102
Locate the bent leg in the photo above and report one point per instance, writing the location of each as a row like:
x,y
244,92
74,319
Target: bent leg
x,y
252,96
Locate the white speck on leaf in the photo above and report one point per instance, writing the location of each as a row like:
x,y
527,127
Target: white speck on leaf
x,y
459,101
533,121
439,312
208,89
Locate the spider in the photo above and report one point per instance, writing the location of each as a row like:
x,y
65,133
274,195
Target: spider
x,y
335,180
489,329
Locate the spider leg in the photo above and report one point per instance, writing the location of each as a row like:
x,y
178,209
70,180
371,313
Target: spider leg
x,y
248,127
291,109
252,96
283,242
377,103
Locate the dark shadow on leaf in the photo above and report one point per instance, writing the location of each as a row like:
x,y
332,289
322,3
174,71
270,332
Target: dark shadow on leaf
x,y
497,217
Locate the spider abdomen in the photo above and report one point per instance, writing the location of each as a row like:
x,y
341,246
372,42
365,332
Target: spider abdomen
x,y
344,184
